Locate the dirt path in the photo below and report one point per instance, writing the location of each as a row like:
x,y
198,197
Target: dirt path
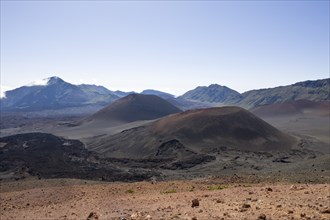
x,y
66,199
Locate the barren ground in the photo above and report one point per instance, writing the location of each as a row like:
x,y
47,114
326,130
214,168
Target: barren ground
x,y
77,199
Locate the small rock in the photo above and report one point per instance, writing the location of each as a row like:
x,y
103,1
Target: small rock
x,y
136,215
194,218
278,206
290,211
246,206
269,189
293,187
219,201
92,216
148,217
325,211
302,215
153,180
195,203
262,217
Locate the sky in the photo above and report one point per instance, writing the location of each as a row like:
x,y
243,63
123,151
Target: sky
x,y
173,46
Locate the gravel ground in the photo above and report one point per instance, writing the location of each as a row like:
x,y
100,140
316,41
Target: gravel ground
x,y
213,199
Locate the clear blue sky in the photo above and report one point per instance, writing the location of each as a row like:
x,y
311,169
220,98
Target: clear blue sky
x,y
170,46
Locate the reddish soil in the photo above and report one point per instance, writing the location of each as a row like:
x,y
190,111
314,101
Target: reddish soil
x,y
78,199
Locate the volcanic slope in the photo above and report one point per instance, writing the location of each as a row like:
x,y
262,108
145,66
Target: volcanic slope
x,y
199,131
303,107
135,107
130,111
303,117
48,156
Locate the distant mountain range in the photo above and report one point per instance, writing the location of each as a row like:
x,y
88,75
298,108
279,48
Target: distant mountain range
x,y
55,94
317,90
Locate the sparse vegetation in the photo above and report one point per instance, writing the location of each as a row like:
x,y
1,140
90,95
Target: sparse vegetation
x,y
217,187
129,191
176,216
192,189
170,191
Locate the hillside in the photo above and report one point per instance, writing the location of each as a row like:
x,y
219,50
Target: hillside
x,y
135,107
211,93
54,93
47,156
318,90
310,118
291,108
161,94
196,132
